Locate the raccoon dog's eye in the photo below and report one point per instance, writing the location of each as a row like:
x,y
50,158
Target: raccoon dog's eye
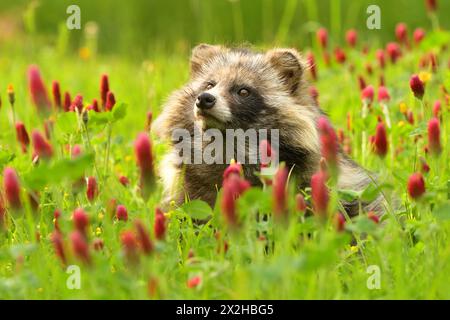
x,y
210,85
244,92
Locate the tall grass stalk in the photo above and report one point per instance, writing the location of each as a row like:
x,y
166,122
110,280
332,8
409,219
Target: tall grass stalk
x,y
267,20
312,15
286,21
238,22
335,17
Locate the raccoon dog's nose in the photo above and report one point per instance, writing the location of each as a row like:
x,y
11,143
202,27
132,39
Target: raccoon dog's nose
x,y
205,101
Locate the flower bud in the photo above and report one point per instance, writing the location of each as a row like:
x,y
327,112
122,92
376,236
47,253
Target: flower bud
x,y
367,94
22,136
104,88
383,95
328,139
434,139
280,193
58,245
417,86
312,65
416,185
233,187
77,104
419,34
38,91
143,237
381,58
437,109
76,151
233,168
92,189
12,188
80,247
42,147
322,37
401,32
80,220
98,244
319,193
361,82
194,282
95,105
130,246
121,213
373,216
144,157
393,51
300,203
424,167
380,142
410,117
124,181
351,37
431,5
56,94
369,68
110,101
339,222
67,101
160,224
339,55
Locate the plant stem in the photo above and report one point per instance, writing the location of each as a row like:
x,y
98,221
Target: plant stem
x,y
13,114
89,145
237,21
108,146
335,16
385,110
286,20
422,108
364,134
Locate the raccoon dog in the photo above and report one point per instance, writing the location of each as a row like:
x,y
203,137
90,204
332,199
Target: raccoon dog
x,y
241,89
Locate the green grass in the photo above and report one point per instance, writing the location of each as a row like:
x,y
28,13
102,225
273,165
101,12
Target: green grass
x,y
410,246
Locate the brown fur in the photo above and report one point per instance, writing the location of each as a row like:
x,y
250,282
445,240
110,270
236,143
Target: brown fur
x,y
279,77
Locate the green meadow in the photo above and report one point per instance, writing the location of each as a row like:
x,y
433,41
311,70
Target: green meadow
x,y
144,48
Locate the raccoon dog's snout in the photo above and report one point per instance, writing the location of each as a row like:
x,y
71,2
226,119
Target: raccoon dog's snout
x,y
205,101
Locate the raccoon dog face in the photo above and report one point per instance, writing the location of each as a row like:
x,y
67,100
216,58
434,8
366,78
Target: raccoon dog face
x,y
242,89
237,88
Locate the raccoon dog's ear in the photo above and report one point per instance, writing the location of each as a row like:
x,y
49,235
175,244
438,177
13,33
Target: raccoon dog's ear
x,y
289,65
201,54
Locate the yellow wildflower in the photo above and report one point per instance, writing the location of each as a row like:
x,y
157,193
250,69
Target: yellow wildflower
x,y
403,107
85,53
425,76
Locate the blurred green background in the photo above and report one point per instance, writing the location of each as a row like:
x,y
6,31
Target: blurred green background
x,y
139,27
